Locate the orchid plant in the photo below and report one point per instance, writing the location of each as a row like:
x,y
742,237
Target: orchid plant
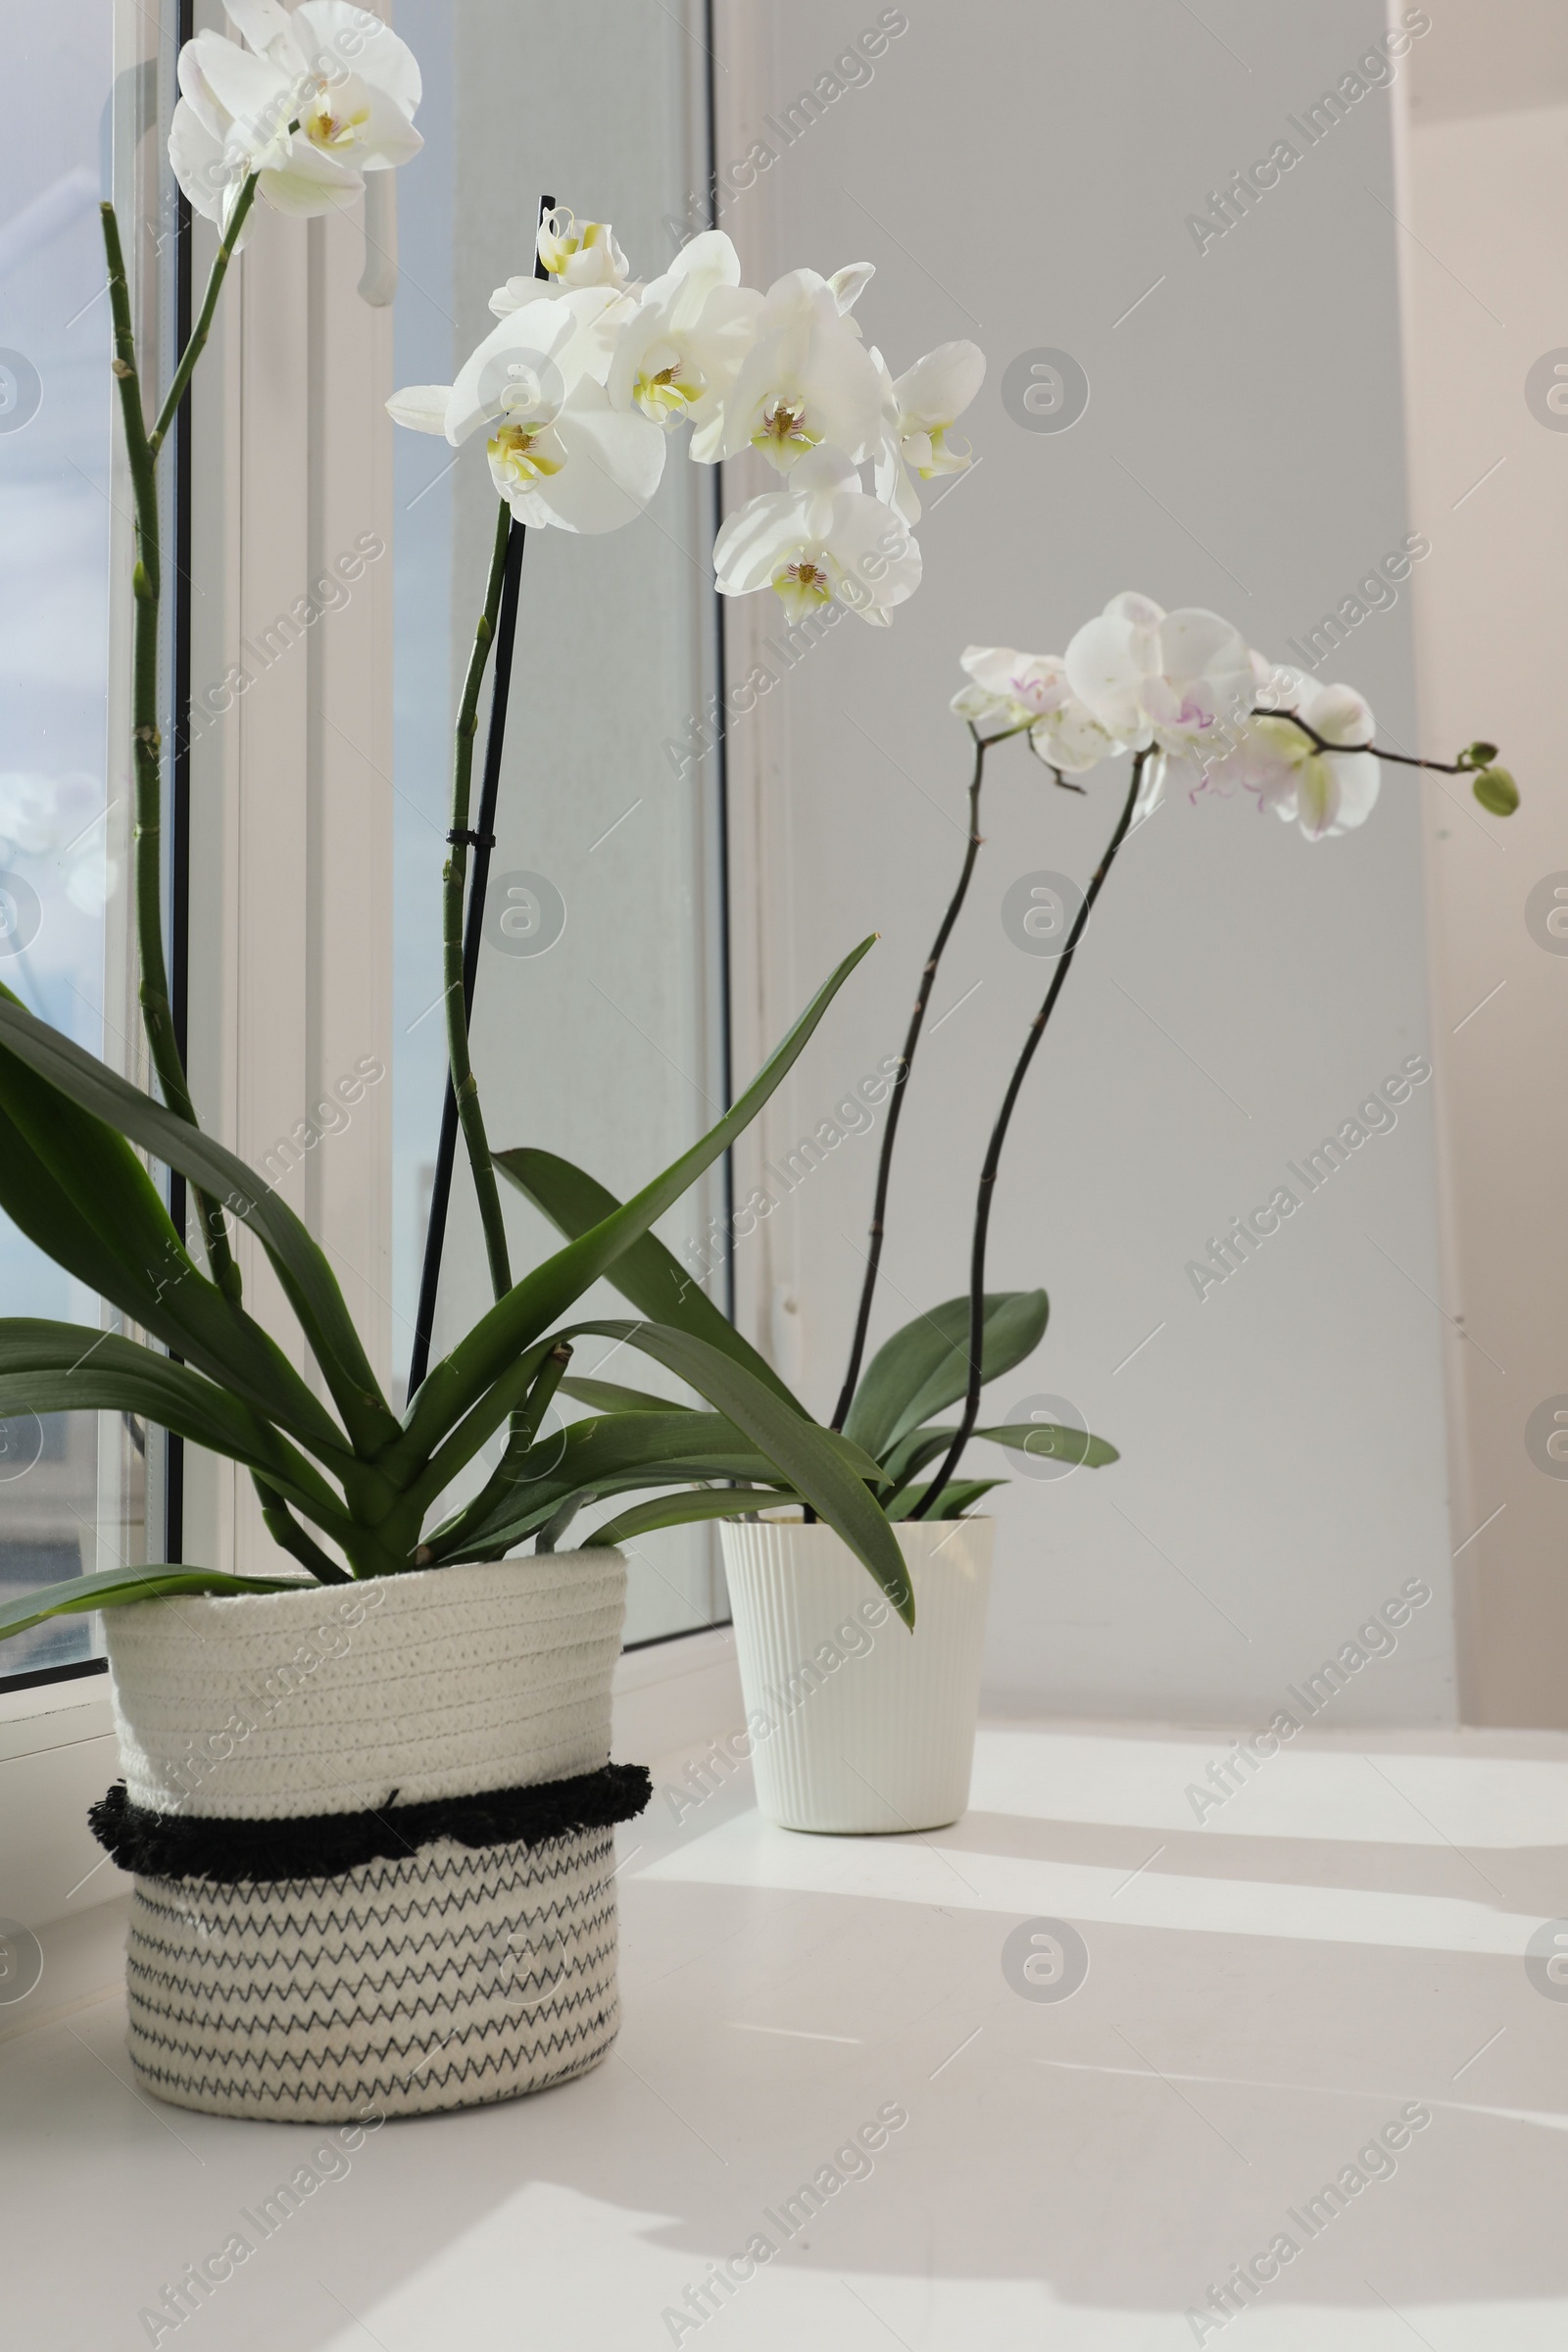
x,y
1199,712
576,391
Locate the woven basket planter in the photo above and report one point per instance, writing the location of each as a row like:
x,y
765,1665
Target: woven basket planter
x,y
371,1833
858,1726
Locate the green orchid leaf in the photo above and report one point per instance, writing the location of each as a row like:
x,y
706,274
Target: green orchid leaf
x,y
494,1408
605,1451
680,1510
560,1500
651,1276
959,1496
114,1588
1044,1439
608,1444
454,1385
301,1268
65,1367
608,1396
829,1473
77,1190
925,1367
1049,1441
913,1452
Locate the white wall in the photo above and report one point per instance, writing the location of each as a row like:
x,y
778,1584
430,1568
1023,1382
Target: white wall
x,y
1487,198
1023,175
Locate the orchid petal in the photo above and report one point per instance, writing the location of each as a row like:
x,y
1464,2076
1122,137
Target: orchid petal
x,y
531,339
421,407
265,25
1140,610
938,388
206,179
342,34
849,283
614,461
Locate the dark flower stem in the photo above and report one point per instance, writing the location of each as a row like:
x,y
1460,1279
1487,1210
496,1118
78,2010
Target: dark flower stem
x,y
464,1084
1321,743
884,1166
998,1136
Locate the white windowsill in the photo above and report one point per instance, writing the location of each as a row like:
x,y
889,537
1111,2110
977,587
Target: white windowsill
x,y
53,1714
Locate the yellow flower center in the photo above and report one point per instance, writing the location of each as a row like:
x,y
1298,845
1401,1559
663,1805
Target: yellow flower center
x,y
516,458
783,427
323,128
802,586
665,395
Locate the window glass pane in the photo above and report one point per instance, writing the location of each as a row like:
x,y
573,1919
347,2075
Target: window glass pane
x,y
599,1029
71,1487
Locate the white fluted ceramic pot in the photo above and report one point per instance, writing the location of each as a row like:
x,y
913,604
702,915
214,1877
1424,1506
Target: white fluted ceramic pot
x,y
858,1726
372,1832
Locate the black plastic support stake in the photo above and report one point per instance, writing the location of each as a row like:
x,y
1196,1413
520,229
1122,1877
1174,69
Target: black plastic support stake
x,y
472,921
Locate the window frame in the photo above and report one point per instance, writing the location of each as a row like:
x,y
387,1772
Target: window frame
x,y
259,480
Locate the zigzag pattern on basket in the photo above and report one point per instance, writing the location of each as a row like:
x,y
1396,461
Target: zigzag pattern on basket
x,y
470,1964
386,2095
448,1977
329,1920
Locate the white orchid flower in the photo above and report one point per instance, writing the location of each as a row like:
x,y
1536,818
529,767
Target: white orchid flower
x,y
821,538
807,381
918,411
1175,680
345,79
1010,692
589,256
559,453
678,354
1326,793
573,259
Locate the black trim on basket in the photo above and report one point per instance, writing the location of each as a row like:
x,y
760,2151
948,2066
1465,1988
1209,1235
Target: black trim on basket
x,y
324,1846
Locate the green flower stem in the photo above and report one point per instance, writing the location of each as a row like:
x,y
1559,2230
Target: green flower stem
x,y
884,1169
465,1086
193,350
998,1136
146,748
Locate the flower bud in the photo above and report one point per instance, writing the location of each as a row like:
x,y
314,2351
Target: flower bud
x,y
1496,791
